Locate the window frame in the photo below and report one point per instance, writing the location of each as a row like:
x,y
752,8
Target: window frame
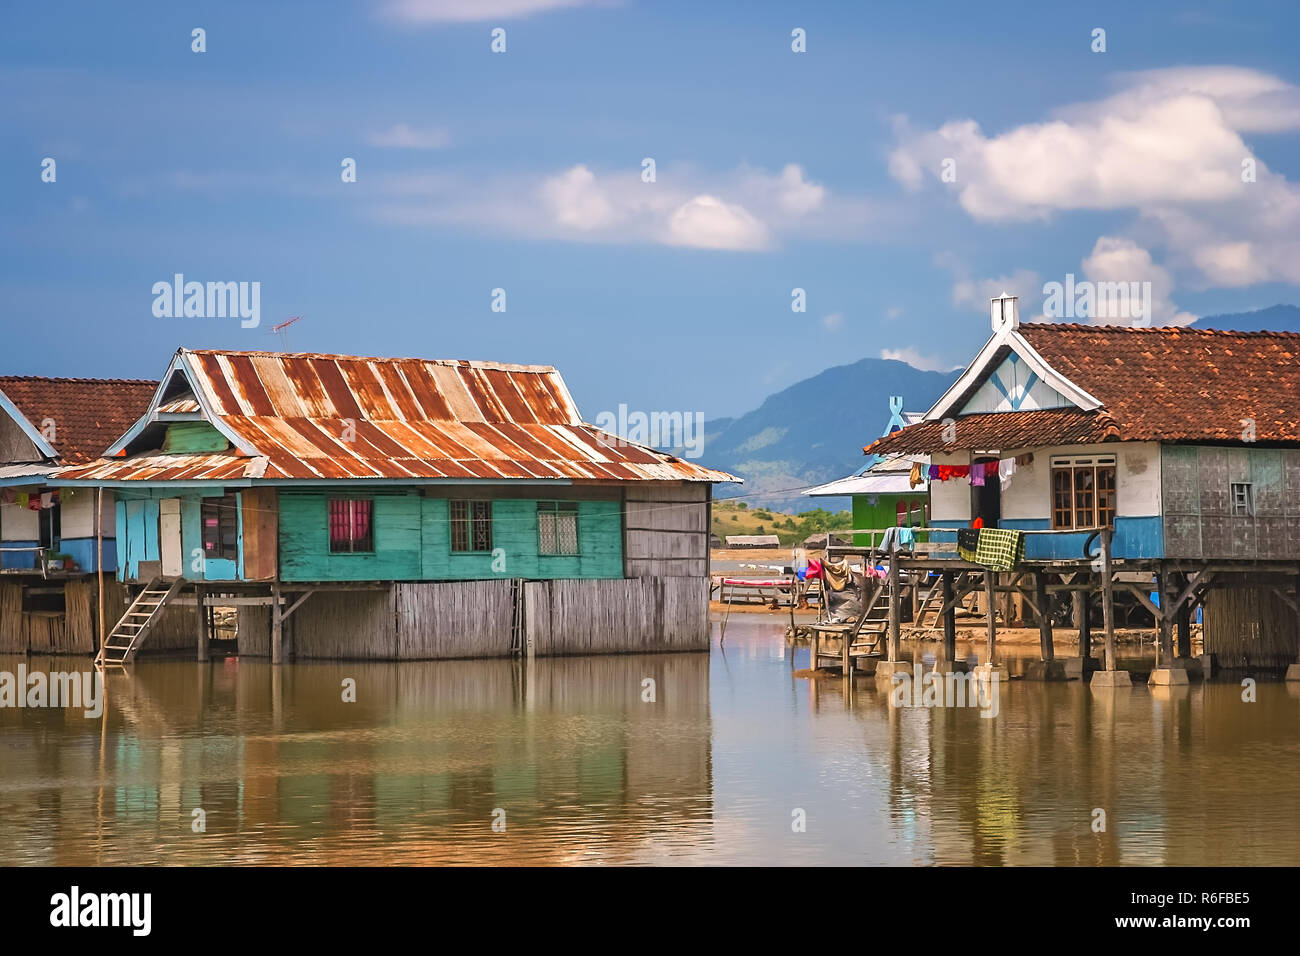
x,y
476,522
1092,480
554,509
227,508
351,503
1247,501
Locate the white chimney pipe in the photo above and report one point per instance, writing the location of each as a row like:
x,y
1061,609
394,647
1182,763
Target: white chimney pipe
x,y
1004,311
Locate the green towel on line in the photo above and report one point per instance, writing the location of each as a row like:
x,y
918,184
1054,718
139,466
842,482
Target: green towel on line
x,y
1000,549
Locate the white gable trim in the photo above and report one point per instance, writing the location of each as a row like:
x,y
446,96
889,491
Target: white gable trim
x,y
980,366
28,429
179,363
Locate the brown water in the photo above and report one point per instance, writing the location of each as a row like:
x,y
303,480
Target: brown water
x,y
585,771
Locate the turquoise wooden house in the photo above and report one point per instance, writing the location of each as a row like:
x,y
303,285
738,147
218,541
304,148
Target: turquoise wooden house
x,y
426,508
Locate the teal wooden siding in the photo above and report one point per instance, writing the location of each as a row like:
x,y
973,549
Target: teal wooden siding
x,y
412,539
137,535
185,437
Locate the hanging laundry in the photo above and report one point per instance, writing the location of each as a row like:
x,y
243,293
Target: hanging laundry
x,y
967,543
22,499
47,500
906,538
960,471
932,472
977,476
7,496
914,478
1006,471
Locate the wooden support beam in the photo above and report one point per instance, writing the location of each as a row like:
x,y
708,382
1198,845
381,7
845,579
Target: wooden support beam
x,y
1183,621
1044,618
1107,599
949,618
990,615
1082,622
895,628
1166,619
277,625
201,617
1158,611
296,604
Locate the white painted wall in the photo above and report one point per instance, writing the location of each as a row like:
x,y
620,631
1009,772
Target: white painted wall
x,y
950,500
1029,494
1137,479
77,514
18,524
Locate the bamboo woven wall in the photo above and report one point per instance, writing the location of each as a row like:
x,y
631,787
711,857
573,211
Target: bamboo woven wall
x,y
13,630
621,616
1249,627
459,619
72,631
346,625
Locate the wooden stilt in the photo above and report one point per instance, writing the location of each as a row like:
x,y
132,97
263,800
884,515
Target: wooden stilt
x,y
201,618
1107,599
1044,617
277,625
1167,599
949,619
990,614
1184,621
895,627
1083,623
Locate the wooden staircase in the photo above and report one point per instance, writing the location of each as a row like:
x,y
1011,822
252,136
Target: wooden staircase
x,y
123,642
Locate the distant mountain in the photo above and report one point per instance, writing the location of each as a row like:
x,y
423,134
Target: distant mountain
x,y
813,431
1276,318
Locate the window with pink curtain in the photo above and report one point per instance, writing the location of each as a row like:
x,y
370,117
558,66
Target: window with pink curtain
x,y
350,525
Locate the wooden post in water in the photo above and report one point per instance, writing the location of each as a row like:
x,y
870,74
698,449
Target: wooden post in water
x,y
99,562
949,619
1184,621
1107,599
895,630
1044,616
1167,598
1083,622
990,613
277,625
201,617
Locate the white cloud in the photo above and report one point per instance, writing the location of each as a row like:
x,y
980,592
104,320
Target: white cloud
x,y
470,11
710,223
402,136
1168,145
926,363
833,322
747,210
976,293
894,312
1115,259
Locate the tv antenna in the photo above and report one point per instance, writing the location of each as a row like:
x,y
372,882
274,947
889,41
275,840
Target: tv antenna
x,y
283,329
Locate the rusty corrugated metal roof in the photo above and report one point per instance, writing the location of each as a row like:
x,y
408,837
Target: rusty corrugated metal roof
x,y
310,416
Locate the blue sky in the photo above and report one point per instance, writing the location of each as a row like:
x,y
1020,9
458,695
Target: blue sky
x,y
522,170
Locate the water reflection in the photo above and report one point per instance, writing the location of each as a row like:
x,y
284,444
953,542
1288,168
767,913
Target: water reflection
x,y
713,770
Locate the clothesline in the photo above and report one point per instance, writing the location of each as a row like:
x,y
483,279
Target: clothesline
x,y
977,472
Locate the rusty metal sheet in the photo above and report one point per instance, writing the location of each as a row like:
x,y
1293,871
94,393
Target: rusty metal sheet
x,y
402,418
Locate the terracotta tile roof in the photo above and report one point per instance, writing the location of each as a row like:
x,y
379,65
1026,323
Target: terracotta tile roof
x,y
1155,384
89,414
1000,430
1176,384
